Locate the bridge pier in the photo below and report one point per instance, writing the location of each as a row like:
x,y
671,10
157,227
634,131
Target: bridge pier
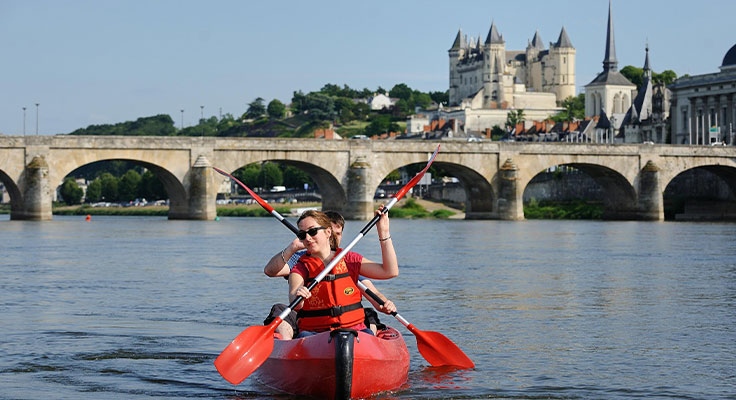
x,y
34,186
359,201
651,207
509,204
200,203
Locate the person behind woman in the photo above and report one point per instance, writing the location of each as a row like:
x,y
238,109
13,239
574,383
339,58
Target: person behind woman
x,y
335,301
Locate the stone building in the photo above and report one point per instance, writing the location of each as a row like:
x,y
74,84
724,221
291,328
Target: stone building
x,y
647,118
486,75
704,106
610,93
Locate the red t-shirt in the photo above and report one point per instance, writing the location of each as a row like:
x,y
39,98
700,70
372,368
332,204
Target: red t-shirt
x,y
352,261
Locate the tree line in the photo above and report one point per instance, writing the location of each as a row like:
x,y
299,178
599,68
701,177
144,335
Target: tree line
x,y
332,104
115,189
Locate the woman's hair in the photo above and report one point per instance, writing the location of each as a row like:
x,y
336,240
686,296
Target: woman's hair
x,y
323,220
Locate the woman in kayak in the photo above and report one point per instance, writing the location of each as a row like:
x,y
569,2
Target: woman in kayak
x,y
335,301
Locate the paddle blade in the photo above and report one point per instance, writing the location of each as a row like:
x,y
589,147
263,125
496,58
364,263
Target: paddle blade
x,y
439,350
246,353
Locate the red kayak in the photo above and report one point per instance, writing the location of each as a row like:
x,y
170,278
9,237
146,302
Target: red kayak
x,y
337,365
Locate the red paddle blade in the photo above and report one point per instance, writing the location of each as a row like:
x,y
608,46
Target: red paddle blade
x,y
417,177
247,189
246,352
439,350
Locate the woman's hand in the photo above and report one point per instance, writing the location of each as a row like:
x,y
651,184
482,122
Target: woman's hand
x,y
304,292
382,226
388,307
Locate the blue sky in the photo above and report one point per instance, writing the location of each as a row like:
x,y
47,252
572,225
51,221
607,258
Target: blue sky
x,y
94,62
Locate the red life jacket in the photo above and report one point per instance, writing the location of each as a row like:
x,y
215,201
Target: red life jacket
x,y
335,301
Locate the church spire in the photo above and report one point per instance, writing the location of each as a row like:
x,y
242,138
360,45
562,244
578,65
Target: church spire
x,y
609,61
647,70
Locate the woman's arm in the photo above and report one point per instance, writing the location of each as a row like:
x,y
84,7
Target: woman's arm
x,y
297,288
389,268
278,265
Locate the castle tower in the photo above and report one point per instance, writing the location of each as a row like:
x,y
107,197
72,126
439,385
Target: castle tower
x,y
609,91
494,49
562,81
456,52
533,75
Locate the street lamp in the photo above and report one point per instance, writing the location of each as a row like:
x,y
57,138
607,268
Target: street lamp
x,y
37,104
201,118
24,121
182,119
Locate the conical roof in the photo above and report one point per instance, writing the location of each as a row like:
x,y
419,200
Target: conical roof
x,y
537,42
459,42
493,35
563,40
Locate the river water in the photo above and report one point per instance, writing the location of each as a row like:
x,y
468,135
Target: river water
x,y
139,307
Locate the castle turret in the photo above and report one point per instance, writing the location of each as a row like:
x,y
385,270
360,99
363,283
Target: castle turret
x,y
533,73
495,50
456,52
562,79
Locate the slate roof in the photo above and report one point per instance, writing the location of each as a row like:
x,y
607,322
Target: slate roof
x,y
563,40
537,42
493,35
459,41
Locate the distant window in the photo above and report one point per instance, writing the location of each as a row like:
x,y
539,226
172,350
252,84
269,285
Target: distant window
x,y
564,60
684,118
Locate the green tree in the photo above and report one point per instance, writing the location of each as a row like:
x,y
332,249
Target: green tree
x,y
71,192
248,175
440,97
270,175
381,123
422,100
255,109
361,111
634,74
109,189
514,117
276,109
574,109
295,177
299,102
151,188
320,107
94,191
666,77
401,91
128,186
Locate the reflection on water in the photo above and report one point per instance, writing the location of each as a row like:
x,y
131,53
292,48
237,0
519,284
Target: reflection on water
x,y
121,308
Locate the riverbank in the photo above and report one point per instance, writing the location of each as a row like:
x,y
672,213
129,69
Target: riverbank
x,y
410,208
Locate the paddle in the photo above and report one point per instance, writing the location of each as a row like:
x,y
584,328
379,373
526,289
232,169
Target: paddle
x,y
253,346
437,349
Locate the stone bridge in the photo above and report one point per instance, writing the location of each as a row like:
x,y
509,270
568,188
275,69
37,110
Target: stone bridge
x,y
494,175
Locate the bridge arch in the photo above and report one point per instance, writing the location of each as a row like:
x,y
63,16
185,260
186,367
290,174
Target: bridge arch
x,y
333,194
13,191
620,200
479,194
178,199
694,191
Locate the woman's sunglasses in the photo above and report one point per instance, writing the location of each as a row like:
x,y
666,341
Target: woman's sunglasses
x,y
311,231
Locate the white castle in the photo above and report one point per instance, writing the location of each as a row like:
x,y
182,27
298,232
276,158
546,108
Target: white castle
x,y
487,76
